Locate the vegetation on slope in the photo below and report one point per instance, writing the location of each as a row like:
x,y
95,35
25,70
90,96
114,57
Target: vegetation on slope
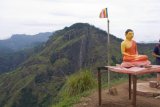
x,y
38,81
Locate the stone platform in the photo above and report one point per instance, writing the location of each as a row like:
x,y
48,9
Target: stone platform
x,y
145,90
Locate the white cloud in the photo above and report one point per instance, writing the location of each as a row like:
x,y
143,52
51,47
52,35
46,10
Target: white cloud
x,y
34,16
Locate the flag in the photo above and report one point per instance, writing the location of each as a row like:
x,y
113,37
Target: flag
x,y
104,13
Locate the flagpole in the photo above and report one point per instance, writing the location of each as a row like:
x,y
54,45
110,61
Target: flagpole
x,y
108,54
104,14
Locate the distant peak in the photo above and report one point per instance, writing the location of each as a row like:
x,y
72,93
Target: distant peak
x,y
79,25
17,36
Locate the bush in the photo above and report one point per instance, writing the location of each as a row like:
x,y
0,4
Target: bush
x,y
78,83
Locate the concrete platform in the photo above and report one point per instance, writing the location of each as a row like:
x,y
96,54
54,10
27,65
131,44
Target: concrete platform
x,y
145,90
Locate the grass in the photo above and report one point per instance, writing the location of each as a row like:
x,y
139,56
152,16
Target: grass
x,y
78,83
77,87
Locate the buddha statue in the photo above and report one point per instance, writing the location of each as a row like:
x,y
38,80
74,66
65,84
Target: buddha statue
x,y
130,54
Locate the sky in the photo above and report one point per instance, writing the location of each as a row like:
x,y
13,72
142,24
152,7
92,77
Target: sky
x,y
35,16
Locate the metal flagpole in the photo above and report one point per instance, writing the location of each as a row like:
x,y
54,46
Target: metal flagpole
x,y
108,54
104,14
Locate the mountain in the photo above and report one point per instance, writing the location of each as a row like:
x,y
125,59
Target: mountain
x,y
22,41
37,81
10,60
18,48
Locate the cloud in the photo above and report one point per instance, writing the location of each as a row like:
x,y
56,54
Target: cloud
x,y
18,16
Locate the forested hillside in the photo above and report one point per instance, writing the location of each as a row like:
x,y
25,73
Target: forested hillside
x,y
18,48
37,82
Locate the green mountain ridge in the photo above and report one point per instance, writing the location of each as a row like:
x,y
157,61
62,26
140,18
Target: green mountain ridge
x,y
37,81
19,42
18,48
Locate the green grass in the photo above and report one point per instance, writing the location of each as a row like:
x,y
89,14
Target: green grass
x,y
77,85
80,85
59,63
63,43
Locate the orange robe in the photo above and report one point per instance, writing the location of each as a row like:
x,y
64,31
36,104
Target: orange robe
x,y
138,60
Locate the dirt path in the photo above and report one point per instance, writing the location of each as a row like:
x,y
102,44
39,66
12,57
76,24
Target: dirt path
x,y
121,100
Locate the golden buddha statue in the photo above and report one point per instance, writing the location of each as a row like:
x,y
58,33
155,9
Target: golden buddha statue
x,y
130,54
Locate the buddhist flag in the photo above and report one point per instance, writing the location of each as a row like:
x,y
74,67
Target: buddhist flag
x,y
104,13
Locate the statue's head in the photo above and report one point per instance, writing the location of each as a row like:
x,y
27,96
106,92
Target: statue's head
x,y
129,34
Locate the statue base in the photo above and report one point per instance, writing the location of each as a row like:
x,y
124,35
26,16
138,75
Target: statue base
x,y
144,89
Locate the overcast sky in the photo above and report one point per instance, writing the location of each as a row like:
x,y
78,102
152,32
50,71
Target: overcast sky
x,y
34,16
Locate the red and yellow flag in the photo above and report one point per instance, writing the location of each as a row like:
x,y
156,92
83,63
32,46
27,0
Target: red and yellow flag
x,y
104,13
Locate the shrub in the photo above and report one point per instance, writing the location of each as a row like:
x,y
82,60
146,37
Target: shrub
x,y
78,83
